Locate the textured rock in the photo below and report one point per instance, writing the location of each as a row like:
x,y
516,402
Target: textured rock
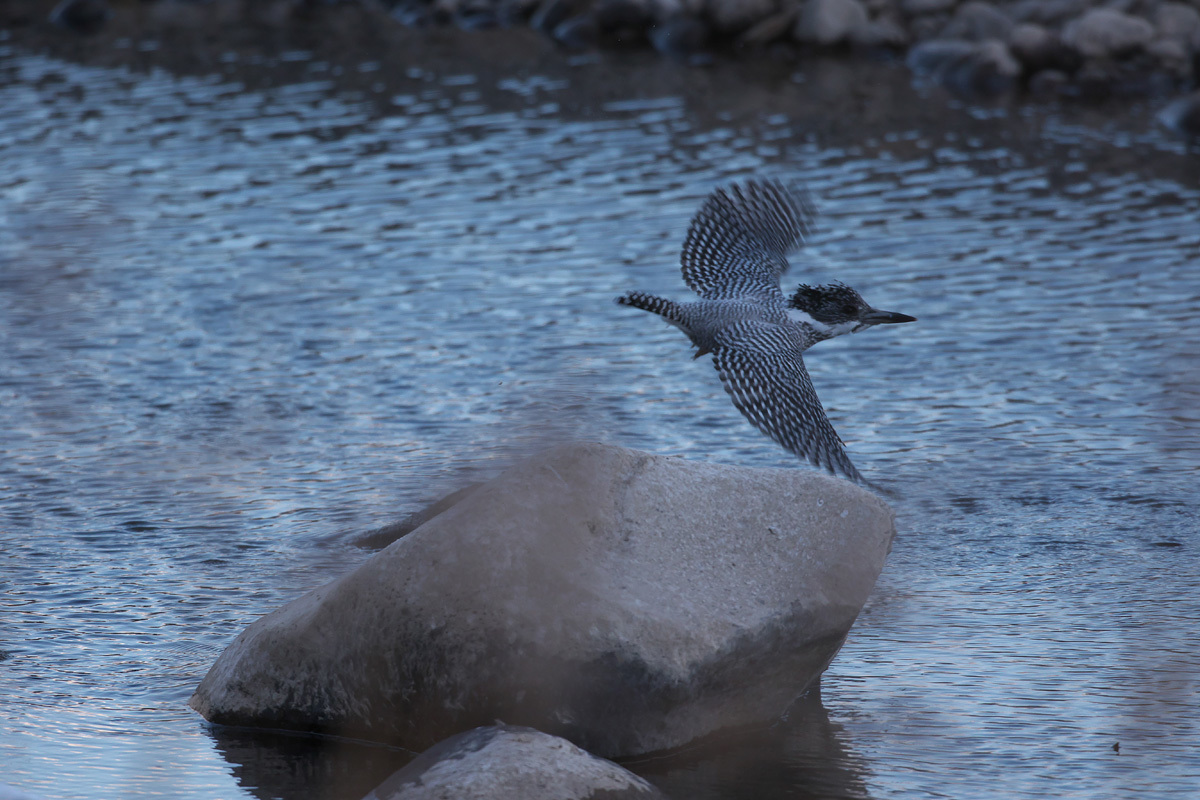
x,y
629,602
968,67
977,21
829,22
1104,33
500,762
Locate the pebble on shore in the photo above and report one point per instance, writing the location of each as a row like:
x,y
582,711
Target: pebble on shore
x,y
1077,48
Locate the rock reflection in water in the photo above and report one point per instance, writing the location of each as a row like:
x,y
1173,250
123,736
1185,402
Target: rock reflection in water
x,y
270,765
806,752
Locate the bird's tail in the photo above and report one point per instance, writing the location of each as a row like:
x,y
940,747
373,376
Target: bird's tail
x,y
667,309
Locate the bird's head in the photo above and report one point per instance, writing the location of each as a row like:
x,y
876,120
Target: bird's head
x,y
834,309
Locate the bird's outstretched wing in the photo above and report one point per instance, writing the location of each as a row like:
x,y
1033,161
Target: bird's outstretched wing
x,y
740,238
761,368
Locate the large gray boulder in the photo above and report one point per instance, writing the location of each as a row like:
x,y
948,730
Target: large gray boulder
x,y
628,602
503,762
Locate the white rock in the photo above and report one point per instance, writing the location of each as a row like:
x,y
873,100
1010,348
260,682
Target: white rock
x,y
629,602
829,22
505,762
1103,33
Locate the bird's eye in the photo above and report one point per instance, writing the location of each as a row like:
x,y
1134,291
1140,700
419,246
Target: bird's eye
x,y
849,310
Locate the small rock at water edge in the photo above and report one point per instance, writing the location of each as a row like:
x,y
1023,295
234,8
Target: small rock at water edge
x,y
499,762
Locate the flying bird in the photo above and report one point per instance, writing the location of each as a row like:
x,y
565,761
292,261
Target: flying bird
x,y
733,257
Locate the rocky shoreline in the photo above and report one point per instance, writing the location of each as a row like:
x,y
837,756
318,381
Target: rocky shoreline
x,y
1088,49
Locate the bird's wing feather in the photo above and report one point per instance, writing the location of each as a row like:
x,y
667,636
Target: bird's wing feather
x,y
739,240
761,366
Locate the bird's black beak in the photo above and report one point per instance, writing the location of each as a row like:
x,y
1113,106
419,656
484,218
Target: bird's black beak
x,y
876,317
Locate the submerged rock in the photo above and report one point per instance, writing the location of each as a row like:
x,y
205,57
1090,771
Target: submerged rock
x,y
626,601
506,761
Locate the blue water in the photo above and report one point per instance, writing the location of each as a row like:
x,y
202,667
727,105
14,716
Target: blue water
x,y
239,327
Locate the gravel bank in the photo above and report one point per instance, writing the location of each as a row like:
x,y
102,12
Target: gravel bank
x,y
1089,49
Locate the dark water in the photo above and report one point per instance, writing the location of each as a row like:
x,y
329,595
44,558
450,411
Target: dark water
x,y
240,326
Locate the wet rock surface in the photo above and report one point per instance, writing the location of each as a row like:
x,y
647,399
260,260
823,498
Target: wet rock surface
x,y
507,761
612,597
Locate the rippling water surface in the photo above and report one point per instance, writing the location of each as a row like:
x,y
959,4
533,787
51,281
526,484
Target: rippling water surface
x,y
239,327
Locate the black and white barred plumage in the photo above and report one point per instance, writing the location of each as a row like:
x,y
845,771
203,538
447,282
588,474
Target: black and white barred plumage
x,y
734,256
